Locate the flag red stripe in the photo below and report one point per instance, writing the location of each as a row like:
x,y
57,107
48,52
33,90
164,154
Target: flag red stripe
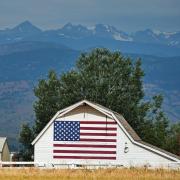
x,y
84,151
84,157
98,128
97,122
98,134
98,140
85,145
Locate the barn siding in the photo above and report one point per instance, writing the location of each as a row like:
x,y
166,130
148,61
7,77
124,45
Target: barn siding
x,y
5,154
43,151
136,156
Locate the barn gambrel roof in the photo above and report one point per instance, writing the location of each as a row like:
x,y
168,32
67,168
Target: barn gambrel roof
x,y
124,125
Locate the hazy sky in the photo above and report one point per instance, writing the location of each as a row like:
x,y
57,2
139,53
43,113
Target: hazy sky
x,y
128,15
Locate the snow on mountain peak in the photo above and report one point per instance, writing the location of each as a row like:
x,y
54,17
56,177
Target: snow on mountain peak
x,y
157,32
91,28
118,37
168,34
165,34
68,26
111,32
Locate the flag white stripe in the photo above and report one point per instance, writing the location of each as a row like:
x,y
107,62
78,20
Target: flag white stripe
x,y
82,142
84,148
94,155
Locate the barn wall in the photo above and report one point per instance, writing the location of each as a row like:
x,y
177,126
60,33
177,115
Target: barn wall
x,y
136,155
5,153
44,147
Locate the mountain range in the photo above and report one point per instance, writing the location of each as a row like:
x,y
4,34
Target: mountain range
x,y
27,53
149,42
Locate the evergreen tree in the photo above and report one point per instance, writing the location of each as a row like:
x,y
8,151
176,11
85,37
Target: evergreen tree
x,y
26,137
173,140
157,123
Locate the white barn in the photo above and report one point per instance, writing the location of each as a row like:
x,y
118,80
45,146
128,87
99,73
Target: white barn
x,y
87,133
4,149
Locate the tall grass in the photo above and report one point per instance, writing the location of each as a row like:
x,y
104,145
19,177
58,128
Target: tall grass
x,y
100,174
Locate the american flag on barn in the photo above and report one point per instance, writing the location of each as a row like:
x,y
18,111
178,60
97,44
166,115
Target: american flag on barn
x,y
94,139
87,133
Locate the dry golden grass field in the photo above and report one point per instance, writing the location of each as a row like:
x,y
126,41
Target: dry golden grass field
x,y
100,174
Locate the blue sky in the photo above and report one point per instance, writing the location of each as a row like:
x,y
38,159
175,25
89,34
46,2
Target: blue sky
x,y
127,15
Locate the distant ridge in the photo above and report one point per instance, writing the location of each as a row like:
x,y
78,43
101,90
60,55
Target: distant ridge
x,y
149,42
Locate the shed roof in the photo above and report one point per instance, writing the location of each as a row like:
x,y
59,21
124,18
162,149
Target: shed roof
x,y
2,142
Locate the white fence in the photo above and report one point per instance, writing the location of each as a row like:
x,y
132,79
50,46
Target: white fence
x,y
172,165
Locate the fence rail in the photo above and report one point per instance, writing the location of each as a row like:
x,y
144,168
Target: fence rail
x,y
172,165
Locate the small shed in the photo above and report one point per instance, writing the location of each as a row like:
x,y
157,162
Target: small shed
x,y
4,149
87,133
